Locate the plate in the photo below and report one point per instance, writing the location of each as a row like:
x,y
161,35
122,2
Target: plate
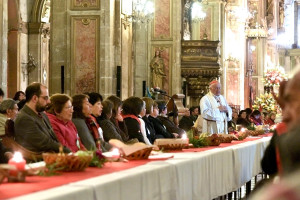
x,y
162,156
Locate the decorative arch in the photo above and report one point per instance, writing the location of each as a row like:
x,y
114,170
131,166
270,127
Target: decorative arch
x,y
37,10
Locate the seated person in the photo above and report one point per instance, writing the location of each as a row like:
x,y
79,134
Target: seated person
x,y
60,115
242,120
160,129
117,118
32,126
271,119
189,119
150,131
8,110
19,96
132,107
109,129
88,129
143,125
170,126
255,118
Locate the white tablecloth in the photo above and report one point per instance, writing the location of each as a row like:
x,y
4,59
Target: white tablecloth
x,y
187,176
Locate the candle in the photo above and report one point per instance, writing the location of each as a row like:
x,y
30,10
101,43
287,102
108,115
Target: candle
x,y
184,137
115,153
18,161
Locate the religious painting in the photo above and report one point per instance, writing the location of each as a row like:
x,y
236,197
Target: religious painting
x,y
162,22
160,67
84,56
85,4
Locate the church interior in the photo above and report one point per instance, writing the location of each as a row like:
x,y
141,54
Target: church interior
x,y
78,46
238,51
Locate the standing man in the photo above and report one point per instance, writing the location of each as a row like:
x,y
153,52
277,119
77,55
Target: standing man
x,y
32,126
215,110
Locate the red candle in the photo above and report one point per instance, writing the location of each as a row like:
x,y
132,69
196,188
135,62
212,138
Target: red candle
x,y
18,161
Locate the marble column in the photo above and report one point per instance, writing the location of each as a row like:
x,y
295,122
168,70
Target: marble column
x,y
3,45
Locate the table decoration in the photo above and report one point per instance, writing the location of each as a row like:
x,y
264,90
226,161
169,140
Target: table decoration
x,y
171,144
68,162
136,151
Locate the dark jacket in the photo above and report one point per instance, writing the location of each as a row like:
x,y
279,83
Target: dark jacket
x,y
187,122
159,128
170,126
34,132
150,131
109,130
134,129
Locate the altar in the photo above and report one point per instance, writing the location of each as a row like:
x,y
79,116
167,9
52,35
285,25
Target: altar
x,y
196,173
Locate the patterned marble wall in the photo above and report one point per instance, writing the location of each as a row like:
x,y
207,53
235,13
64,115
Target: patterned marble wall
x,y
162,25
84,53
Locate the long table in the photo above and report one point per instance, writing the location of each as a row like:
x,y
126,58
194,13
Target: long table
x,y
188,175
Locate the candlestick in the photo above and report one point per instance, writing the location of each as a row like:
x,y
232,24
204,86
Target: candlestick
x,y
17,174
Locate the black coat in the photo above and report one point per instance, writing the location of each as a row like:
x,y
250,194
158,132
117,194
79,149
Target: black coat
x,y
149,129
160,130
134,129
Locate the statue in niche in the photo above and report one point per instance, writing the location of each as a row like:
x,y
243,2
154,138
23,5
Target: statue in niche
x,y
187,20
281,14
157,66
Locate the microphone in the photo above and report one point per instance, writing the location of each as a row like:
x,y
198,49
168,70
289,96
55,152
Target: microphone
x,y
159,90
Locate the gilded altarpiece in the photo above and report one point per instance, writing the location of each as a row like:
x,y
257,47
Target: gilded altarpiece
x,y
166,55
84,53
85,4
162,24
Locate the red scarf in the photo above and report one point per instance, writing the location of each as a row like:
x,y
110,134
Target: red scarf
x,y
133,117
93,127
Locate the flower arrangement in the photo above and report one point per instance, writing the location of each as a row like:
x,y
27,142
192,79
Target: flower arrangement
x,y
98,159
273,76
265,102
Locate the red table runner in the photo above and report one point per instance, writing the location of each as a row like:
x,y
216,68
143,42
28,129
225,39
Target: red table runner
x,y
38,183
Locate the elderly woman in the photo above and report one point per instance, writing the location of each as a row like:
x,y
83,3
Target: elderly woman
x,y
88,129
8,110
132,107
60,114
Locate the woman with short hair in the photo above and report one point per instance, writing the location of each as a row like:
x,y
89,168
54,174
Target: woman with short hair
x,y
8,110
60,113
88,129
132,107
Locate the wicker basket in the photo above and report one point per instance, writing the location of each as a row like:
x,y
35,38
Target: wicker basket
x,y
171,146
67,162
139,155
256,132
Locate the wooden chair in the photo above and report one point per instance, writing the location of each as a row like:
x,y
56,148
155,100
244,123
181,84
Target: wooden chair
x,y
8,141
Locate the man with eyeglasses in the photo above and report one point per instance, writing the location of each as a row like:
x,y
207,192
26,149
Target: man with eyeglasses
x,y
32,127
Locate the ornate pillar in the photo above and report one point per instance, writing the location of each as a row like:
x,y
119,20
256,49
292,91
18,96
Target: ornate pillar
x,y
39,35
3,45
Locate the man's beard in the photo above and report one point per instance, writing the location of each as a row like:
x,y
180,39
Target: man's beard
x,y
39,107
